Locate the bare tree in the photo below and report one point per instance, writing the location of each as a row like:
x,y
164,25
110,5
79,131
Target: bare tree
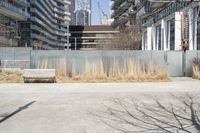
x,y
127,39
181,116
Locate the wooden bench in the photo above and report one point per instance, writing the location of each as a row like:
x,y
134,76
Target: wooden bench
x,y
39,74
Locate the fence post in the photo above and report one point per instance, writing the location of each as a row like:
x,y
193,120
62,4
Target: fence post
x,y
30,59
184,62
165,58
14,58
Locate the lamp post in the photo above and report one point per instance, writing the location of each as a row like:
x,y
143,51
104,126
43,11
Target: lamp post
x,y
75,43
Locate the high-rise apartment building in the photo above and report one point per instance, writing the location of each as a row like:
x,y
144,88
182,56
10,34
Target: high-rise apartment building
x,y
12,14
83,5
43,24
49,24
82,12
72,10
82,17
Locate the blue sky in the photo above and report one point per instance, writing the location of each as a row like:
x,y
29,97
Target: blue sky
x,y
95,10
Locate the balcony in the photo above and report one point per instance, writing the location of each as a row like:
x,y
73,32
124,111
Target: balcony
x,y
62,12
116,4
150,18
64,1
62,34
12,11
22,3
122,9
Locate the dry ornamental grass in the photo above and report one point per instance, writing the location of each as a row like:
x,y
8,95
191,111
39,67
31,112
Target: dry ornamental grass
x,y
10,76
196,68
118,71
127,70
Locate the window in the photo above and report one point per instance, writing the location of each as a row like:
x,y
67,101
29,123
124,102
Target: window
x,y
158,38
170,34
198,33
152,44
145,40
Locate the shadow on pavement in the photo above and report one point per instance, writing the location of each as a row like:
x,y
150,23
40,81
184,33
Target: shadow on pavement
x,y
17,111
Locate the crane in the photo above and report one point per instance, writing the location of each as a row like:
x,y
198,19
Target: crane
x,y
102,14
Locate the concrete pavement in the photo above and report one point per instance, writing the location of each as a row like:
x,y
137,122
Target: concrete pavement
x,y
65,108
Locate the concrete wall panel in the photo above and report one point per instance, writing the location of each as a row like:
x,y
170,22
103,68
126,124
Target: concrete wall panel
x,y
190,55
175,63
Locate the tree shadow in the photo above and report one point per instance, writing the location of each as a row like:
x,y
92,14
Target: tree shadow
x,y
16,111
180,115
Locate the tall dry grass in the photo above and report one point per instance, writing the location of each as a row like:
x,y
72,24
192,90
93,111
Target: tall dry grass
x,y
127,70
196,68
7,76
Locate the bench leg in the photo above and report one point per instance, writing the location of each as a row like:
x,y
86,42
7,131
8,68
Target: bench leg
x,y
25,81
54,80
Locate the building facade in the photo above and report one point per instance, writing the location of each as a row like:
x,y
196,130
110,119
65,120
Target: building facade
x,y
123,12
41,24
172,26
12,14
82,17
72,11
83,4
90,37
49,24
82,12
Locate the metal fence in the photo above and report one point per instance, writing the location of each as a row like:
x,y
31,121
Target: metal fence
x,y
177,62
15,57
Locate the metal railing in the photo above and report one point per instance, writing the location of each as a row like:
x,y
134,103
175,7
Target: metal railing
x,y
24,1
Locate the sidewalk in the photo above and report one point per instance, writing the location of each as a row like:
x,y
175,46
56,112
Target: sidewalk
x,y
64,108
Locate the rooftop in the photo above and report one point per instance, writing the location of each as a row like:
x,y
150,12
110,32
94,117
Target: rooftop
x,y
91,28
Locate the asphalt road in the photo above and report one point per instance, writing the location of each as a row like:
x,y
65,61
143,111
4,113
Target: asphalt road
x,y
66,108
